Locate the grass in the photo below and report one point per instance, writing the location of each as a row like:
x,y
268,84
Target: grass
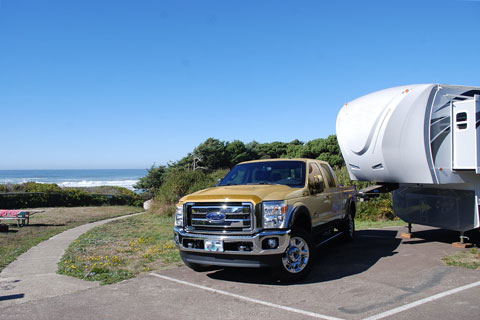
x,y
465,259
49,223
122,249
366,224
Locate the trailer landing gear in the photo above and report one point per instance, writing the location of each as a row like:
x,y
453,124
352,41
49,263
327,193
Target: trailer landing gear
x,y
462,243
409,234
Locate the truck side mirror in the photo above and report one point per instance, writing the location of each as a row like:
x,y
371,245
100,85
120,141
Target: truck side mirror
x,y
316,185
321,186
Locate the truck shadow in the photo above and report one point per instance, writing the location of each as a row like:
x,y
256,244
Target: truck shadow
x,y
335,260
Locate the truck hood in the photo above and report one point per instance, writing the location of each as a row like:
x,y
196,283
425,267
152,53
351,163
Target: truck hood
x,y
250,193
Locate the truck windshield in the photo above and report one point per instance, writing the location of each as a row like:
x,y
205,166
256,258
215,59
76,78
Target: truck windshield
x,y
289,173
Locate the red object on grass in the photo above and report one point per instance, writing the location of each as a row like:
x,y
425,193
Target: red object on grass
x,y
10,213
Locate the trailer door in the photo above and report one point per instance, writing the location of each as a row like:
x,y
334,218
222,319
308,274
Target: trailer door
x,y
466,136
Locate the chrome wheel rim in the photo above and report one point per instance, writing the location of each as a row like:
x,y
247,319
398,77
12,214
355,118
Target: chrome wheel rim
x,y
296,257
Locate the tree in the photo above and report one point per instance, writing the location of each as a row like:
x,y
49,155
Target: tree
x,y
237,152
331,152
252,149
212,154
272,150
294,149
153,180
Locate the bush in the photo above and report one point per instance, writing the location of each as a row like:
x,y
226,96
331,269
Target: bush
x,y
35,195
344,179
180,182
380,208
153,180
40,187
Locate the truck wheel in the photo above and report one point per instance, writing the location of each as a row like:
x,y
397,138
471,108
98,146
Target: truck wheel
x,y
348,227
197,267
297,260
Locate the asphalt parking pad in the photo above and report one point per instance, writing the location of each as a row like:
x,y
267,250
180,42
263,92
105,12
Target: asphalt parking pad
x,y
377,276
376,273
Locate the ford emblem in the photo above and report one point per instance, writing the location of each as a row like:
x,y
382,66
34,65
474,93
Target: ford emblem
x,y
216,217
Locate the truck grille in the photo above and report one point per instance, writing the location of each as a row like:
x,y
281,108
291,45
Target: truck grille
x,y
220,217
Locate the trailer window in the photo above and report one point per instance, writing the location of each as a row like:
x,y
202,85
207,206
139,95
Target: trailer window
x,y
462,116
461,120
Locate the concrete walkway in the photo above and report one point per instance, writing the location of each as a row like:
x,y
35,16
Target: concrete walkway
x,y
33,275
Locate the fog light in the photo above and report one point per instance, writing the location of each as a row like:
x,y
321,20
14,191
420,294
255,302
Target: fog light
x,y
272,243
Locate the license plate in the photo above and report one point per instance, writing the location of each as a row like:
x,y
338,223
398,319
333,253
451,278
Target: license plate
x,y
214,245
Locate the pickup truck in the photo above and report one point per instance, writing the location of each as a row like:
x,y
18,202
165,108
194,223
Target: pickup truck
x,y
265,213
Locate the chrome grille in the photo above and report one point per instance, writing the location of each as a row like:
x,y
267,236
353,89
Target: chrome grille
x,y
220,216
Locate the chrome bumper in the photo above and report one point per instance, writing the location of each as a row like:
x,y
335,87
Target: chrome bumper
x,y
282,236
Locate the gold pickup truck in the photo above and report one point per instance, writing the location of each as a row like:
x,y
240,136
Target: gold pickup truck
x,y
265,213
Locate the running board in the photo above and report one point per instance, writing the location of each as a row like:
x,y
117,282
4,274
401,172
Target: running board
x,y
328,239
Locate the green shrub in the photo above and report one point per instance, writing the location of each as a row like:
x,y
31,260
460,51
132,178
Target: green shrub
x,y
344,179
153,180
380,208
35,195
179,182
40,187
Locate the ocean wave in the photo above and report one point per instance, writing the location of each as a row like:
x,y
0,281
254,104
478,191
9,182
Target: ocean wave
x,y
20,180
76,184
85,184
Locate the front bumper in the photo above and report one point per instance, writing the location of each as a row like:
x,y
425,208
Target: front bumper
x,y
238,250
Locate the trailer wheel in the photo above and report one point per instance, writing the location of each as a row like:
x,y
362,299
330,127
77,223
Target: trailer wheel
x,y
298,259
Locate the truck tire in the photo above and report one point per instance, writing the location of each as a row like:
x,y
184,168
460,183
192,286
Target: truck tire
x,y
298,259
348,226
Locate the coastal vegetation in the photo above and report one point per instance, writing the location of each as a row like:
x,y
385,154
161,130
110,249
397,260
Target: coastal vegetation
x,y
49,223
213,158
36,195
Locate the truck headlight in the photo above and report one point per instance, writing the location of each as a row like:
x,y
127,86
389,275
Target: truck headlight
x,y
179,216
274,214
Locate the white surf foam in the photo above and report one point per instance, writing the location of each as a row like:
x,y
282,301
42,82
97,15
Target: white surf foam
x,y
85,183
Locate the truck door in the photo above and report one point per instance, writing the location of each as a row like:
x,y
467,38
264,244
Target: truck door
x,y
465,137
320,200
334,193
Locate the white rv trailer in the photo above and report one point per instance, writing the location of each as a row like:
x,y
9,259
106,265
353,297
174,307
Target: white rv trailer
x,y
425,141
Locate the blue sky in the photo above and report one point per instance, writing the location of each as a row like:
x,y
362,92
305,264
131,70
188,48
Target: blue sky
x,y
124,84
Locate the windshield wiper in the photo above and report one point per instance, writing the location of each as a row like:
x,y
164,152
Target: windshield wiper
x,y
263,182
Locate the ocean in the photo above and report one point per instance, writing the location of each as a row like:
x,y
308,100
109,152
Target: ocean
x,y
76,178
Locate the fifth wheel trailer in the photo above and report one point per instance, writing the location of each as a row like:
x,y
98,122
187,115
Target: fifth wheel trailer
x,y
423,141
